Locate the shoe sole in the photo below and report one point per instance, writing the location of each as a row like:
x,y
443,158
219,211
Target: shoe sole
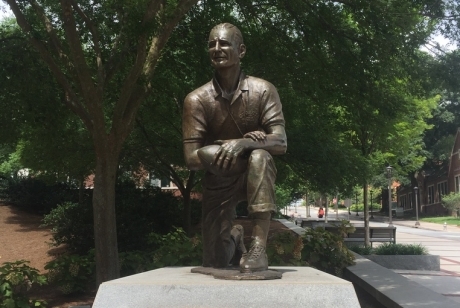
x,y
248,270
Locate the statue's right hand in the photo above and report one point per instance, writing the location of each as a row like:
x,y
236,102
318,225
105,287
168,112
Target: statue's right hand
x,y
226,157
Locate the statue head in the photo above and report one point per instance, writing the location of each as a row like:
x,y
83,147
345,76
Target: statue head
x,y
225,46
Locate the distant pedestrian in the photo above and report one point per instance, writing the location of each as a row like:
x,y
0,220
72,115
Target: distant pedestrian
x,y
320,212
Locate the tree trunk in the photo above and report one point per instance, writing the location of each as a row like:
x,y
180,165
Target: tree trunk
x,y
326,212
367,241
105,229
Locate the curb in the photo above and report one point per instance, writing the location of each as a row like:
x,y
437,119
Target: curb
x,y
391,289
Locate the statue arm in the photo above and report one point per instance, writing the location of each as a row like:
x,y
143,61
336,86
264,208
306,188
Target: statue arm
x,y
193,131
191,156
275,142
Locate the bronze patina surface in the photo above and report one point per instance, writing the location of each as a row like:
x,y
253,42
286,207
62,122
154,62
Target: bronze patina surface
x,y
243,115
233,273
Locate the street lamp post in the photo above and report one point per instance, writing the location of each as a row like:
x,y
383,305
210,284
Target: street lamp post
x,y
372,213
390,210
417,223
356,204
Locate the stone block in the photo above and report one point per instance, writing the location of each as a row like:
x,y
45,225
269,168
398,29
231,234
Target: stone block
x,y
178,287
407,262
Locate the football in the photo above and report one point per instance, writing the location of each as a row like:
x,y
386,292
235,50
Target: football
x,y
206,155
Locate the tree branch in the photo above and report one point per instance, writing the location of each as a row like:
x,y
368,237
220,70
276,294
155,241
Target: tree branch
x,y
160,41
97,48
164,163
51,33
129,85
71,99
127,106
89,93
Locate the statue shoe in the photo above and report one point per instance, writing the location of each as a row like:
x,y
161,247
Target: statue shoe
x,y
255,260
237,234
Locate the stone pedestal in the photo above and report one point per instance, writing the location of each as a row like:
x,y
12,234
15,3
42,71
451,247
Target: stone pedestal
x,y
178,287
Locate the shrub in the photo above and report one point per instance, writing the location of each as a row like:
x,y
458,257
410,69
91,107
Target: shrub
x,y
4,184
139,213
35,195
345,227
176,249
16,279
400,249
451,201
318,248
285,249
326,251
391,249
72,225
362,250
72,273
134,262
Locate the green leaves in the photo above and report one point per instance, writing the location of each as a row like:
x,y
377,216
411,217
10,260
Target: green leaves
x,y
16,279
451,201
72,273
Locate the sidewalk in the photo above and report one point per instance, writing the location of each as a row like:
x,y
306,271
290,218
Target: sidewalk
x,y
438,241
343,214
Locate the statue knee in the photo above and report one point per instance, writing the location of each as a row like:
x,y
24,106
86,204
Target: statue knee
x,y
259,155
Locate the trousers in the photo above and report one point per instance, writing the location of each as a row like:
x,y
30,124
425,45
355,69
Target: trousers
x,y
221,195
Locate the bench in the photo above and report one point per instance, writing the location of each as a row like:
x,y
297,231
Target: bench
x,y
399,211
376,234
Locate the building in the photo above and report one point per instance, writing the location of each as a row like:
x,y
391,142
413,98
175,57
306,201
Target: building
x,y
433,183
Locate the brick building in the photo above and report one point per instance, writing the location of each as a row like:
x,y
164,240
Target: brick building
x,y
433,184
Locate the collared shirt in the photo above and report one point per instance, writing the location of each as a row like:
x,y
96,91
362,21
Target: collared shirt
x,y
208,116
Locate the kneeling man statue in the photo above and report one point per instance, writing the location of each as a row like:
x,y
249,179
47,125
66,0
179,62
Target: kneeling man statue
x,y
232,126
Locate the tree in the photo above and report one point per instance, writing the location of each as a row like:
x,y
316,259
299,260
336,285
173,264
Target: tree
x,y
345,76
451,202
444,74
103,55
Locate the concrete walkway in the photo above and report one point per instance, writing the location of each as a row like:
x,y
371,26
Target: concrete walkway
x,y
439,240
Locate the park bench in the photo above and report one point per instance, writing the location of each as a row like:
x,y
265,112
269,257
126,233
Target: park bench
x,y
376,234
399,211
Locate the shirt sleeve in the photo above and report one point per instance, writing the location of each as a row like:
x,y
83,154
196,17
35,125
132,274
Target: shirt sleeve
x,y
193,121
272,113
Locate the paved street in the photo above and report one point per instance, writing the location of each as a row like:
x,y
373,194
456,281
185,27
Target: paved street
x,y
438,241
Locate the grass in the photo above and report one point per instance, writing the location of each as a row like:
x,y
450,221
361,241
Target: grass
x,y
375,207
450,220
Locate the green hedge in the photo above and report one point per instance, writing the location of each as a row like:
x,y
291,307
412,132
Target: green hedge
x,y
139,212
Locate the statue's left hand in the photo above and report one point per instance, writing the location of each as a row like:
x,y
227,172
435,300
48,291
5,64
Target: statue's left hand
x,y
256,135
226,156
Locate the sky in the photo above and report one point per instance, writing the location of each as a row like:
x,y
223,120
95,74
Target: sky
x,y
3,10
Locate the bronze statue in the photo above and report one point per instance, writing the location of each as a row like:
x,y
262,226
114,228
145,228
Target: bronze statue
x,y
232,126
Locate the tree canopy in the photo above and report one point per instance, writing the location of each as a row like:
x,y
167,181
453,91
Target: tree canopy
x,y
355,88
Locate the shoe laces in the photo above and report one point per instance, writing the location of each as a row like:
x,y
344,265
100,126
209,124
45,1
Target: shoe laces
x,y
256,251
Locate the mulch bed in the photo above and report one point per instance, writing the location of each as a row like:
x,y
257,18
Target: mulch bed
x,y
21,237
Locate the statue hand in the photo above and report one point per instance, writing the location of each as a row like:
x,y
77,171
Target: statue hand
x,y
256,135
226,156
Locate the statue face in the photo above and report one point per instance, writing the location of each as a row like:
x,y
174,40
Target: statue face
x,y
223,48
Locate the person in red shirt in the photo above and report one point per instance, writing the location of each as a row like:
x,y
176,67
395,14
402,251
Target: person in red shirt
x,y
320,212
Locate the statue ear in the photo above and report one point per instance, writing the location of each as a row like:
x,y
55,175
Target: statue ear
x,y
242,50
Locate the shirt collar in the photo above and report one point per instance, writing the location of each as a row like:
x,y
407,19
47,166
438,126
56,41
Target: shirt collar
x,y
242,85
